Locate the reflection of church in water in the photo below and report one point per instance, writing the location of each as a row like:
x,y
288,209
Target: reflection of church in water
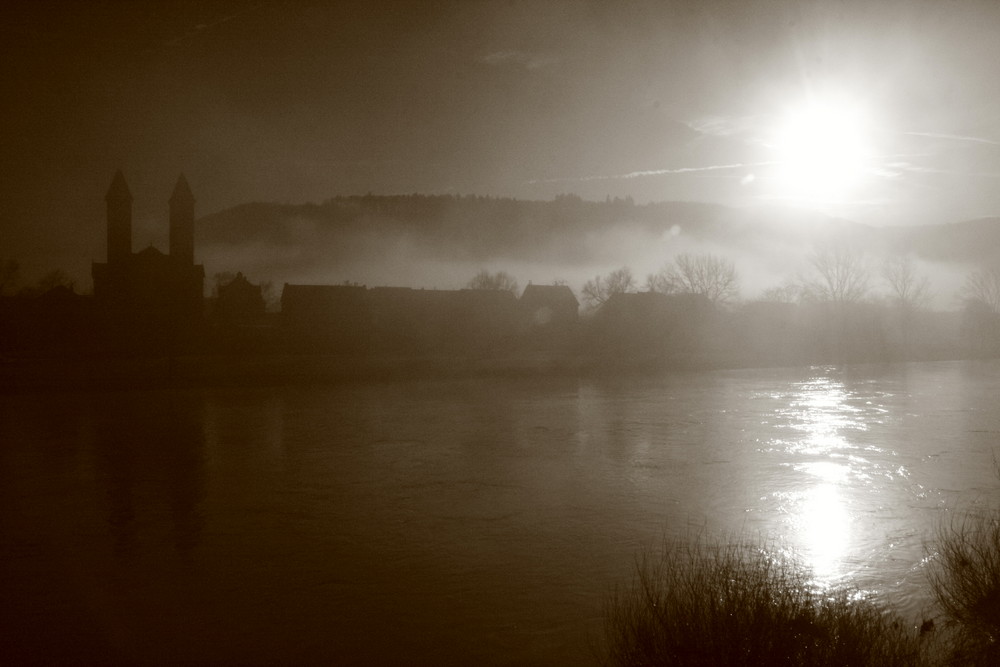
x,y
149,286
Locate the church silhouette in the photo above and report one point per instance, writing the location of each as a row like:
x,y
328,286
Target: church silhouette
x,y
148,287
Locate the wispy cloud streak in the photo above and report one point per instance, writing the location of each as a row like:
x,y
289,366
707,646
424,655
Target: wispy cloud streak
x,y
723,126
952,137
894,169
652,172
524,59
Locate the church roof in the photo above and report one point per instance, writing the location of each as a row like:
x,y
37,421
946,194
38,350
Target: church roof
x,y
150,251
119,189
182,192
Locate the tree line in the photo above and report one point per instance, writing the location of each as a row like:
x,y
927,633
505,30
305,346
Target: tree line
x,y
837,273
12,285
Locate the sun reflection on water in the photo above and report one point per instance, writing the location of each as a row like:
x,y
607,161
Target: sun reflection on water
x,y
824,523
826,418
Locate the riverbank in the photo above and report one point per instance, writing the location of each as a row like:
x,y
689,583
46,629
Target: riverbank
x,y
145,372
25,375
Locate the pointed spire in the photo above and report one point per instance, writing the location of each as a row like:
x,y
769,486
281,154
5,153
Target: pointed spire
x,y
182,222
182,192
119,204
118,192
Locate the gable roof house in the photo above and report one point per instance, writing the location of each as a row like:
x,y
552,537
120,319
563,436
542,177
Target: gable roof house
x,y
418,320
548,306
651,324
328,318
239,301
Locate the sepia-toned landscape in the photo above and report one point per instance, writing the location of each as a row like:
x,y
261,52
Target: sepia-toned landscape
x,y
507,333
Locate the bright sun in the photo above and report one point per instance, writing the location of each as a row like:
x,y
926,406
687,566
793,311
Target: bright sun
x,y
822,149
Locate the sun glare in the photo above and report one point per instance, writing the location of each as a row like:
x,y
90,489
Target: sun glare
x,y
822,149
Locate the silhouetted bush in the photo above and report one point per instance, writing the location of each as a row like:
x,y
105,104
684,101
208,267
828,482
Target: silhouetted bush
x,y
698,603
965,580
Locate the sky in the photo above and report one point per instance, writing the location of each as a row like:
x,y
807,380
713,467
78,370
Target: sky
x,y
881,112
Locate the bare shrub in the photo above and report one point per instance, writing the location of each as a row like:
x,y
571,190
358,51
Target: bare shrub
x,y
699,603
964,577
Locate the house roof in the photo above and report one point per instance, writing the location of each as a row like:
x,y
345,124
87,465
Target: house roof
x,y
317,290
648,302
549,294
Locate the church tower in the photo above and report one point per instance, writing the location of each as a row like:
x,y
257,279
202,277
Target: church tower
x,y
182,223
119,202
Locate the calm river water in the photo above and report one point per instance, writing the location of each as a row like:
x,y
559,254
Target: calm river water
x,y
456,521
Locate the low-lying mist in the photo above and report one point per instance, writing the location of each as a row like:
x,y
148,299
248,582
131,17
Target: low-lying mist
x,y
442,242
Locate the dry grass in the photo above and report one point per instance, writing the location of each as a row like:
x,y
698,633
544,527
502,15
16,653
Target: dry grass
x,y
700,603
965,580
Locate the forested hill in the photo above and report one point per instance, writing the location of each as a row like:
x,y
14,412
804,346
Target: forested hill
x,y
370,238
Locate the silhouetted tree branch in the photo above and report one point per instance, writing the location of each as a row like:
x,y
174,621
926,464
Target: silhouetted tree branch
x,y
908,290
786,293
661,282
221,278
840,275
501,280
712,276
597,291
54,278
982,287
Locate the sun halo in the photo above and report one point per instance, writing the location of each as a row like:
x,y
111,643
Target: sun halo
x,y
822,149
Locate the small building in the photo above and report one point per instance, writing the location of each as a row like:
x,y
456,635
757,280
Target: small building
x,y
544,306
483,319
408,321
239,302
651,324
58,321
327,318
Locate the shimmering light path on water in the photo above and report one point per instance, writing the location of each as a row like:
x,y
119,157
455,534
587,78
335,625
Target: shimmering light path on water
x,y
457,521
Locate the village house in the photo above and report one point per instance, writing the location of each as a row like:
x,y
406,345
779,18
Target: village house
x,y
239,302
327,318
397,320
651,325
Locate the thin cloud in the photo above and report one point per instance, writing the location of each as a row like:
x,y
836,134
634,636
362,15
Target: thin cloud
x,y
953,137
651,172
521,58
897,169
722,126
200,28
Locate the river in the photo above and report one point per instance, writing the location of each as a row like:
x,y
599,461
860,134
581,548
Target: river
x,y
472,521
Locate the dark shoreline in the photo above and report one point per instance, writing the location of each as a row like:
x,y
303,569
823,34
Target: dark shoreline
x,y
120,373
26,375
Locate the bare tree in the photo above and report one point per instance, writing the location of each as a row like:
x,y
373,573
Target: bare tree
x,y
840,275
714,277
54,278
907,289
221,278
982,288
501,280
597,291
662,281
785,293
